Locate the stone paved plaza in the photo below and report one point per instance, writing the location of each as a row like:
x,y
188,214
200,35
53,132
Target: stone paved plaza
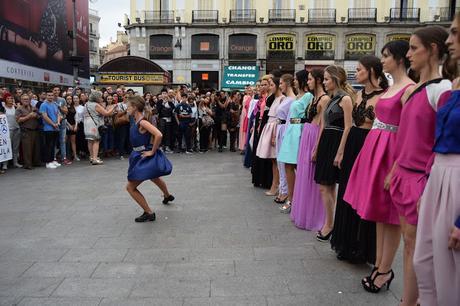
x,y
68,237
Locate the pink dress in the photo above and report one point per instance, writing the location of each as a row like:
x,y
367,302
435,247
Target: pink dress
x,y
365,192
244,123
265,149
414,146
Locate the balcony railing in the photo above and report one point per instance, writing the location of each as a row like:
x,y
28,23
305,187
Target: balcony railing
x,y
92,49
362,15
441,14
159,17
405,14
281,15
204,16
243,16
321,16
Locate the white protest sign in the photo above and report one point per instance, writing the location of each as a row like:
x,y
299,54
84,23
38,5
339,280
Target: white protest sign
x,y
5,142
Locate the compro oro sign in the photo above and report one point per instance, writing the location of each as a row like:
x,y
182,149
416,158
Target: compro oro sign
x,y
358,45
281,46
118,78
237,77
320,47
400,36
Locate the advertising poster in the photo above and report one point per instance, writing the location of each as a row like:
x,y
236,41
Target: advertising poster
x,y
242,46
237,77
281,46
34,34
131,78
320,47
161,47
205,46
358,45
5,143
401,36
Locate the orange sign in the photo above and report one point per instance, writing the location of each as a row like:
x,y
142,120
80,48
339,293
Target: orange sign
x,y
205,76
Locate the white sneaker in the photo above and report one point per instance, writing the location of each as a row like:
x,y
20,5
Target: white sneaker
x,y
56,163
51,166
18,165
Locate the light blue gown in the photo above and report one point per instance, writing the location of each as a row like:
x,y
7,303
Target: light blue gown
x,y
290,146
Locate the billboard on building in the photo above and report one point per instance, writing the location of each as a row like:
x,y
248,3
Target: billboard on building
x,y
242,47
237,77
320,46
399,36
161,47
357,45
35,45
205,46
281,46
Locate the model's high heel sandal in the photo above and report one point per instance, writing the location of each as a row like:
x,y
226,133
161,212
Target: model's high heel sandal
x,y
368,279
372,288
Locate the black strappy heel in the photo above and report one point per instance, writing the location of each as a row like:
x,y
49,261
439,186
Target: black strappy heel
x,y
372,288
368,279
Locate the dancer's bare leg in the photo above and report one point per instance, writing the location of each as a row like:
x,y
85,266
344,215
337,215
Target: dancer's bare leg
x,y
137,196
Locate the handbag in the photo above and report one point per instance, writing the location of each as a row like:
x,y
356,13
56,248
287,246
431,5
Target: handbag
x,y
207,120
102,129
121,119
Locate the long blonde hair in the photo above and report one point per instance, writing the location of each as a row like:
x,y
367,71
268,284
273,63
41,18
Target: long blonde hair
x,y
339,75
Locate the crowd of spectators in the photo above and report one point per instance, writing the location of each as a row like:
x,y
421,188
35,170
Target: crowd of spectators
x,y
60,126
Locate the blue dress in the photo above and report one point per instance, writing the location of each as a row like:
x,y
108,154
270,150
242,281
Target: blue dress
x,y
145,168
291,140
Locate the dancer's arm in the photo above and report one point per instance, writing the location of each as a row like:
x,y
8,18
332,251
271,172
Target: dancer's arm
x,y
157,136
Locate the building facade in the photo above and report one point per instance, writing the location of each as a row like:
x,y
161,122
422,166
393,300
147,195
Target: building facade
x,y
94,56
115,49
198,40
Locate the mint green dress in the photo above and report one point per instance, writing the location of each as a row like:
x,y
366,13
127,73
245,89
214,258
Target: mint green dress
x,y
290,146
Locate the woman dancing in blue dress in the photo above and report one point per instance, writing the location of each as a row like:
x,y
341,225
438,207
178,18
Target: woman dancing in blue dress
x,y
146,162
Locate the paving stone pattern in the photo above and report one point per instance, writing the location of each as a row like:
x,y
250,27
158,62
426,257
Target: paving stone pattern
x,y
68,237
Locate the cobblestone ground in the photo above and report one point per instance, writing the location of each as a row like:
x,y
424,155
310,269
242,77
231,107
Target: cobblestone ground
x,y
68,237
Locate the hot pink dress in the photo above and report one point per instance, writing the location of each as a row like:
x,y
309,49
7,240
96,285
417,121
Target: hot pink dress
x,y
414,146
365,192
244,123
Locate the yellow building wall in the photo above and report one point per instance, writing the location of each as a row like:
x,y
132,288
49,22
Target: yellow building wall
x,y
262,7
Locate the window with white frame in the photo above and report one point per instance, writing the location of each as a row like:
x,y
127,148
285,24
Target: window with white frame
x,y
282,4
362,3
243,4
204,4
321,4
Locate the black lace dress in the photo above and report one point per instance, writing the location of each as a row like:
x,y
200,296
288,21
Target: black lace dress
x,y
354,239
325,172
